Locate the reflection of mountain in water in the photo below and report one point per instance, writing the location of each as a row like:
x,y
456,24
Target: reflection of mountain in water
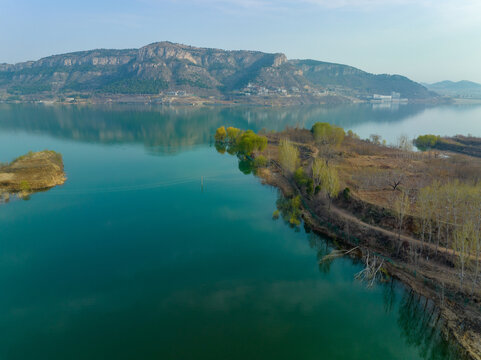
x,y
168,129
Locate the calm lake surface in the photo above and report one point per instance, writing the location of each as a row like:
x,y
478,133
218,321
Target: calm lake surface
x,y
133,259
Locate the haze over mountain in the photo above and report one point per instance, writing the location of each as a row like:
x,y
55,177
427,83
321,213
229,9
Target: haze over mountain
x,y
169,69
464,88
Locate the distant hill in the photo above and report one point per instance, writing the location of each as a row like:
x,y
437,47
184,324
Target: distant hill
x,y
172,69
464,88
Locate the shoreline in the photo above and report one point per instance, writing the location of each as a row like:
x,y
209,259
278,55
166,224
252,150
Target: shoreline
x,y
193,100
454,319
373,198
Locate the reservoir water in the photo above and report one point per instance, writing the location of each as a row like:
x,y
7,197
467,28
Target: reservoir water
x,y
134,259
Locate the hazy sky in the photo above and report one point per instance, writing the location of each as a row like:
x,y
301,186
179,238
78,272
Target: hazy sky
x,y
427,40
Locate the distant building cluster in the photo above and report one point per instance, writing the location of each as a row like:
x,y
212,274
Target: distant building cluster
x,y
180,93
394,97
258,90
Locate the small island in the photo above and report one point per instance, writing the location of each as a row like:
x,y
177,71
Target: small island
x,y
411,215
30,173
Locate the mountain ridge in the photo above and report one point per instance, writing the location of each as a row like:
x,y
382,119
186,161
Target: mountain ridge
x,y
462,89
168,68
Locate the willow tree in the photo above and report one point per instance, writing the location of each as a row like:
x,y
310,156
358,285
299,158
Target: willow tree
x,y
327,134
249,141
233,134
330,183
220,134
328,138
317,171
288,156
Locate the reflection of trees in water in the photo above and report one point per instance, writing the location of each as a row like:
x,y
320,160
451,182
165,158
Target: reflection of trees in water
x,y
389,296
169,129
420,324
418,317
322,248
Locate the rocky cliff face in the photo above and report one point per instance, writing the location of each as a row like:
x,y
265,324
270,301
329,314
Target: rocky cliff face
x,y
166,67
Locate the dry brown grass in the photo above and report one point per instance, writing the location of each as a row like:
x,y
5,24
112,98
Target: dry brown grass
x,y
32,172
372,171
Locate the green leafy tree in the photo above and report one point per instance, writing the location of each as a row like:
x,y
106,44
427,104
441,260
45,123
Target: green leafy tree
x,y
220,134
327,134
249,142
233,134
328,138
424,142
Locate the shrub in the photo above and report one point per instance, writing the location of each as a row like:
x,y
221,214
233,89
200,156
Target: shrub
x,y
260,161
290,209
301,178
294,221
25,186
275,214
352,135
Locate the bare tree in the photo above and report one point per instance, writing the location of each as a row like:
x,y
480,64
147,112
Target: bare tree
x,y
401,207
372,270
395,178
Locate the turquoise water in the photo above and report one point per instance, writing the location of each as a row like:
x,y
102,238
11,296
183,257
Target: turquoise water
x,y
133,259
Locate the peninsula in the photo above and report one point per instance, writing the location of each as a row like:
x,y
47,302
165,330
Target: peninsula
x,y
411,215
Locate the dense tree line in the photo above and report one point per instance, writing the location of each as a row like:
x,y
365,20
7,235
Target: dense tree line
x,y
450,217
244,143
